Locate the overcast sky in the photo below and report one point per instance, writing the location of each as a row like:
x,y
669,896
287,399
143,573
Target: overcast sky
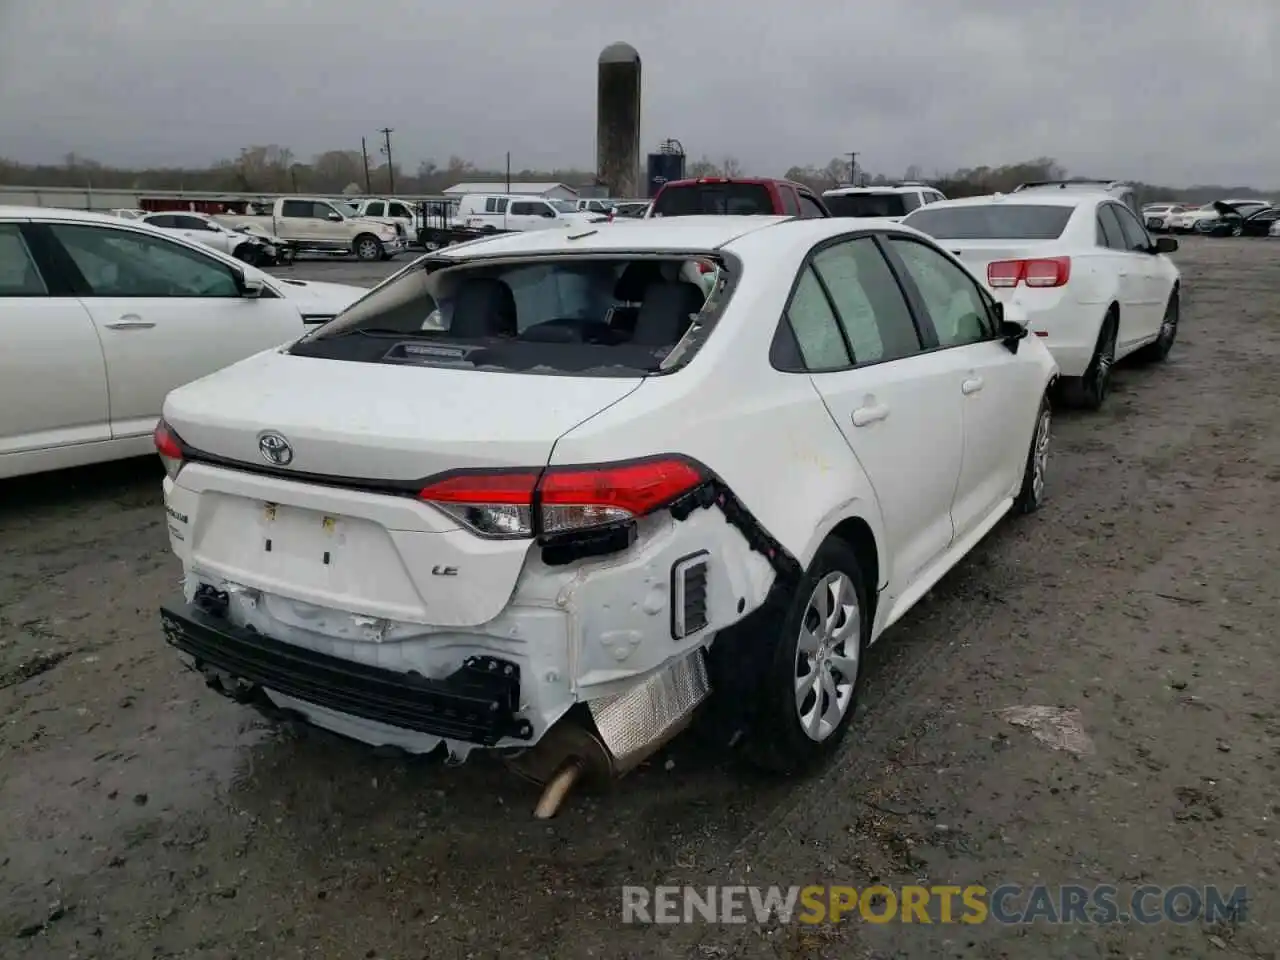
x,y
1168,91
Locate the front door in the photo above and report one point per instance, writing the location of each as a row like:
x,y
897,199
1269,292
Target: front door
x,y
991,388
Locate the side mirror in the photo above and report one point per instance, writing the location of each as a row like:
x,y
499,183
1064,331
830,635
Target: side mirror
x,y
1011,326
250,287
549,213
1165,245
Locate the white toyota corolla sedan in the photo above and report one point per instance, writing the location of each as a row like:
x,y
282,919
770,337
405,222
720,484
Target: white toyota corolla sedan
x,y
1092,283
101,317
552,490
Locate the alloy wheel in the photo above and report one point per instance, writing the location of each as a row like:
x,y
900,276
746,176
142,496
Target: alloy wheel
x,y
827,652
1040,455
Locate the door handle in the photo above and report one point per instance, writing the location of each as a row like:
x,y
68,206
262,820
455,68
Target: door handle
x,y
972,385
865,415
130,321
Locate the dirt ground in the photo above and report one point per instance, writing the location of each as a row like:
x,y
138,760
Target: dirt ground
x,y
143,816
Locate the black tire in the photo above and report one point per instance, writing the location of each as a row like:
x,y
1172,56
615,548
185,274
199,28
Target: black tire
x,y
247,253
1035,473
367,247
1158,350
1090,390
779,743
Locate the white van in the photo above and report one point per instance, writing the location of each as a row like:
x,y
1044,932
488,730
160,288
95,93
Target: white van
x,y
494,212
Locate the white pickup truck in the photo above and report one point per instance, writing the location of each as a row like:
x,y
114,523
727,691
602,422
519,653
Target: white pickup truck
x,y
318,226
391,211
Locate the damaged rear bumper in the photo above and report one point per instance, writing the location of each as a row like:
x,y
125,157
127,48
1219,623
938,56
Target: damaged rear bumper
x,y
478,703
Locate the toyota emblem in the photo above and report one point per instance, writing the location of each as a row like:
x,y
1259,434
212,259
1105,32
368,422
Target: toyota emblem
x,y
275,449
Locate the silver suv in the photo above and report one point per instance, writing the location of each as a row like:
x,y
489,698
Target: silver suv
x,y
1119,189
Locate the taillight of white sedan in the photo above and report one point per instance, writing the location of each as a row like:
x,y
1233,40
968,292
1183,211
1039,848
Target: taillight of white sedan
x,y
551,492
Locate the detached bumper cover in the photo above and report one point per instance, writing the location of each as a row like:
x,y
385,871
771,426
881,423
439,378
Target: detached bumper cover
x,y
478,703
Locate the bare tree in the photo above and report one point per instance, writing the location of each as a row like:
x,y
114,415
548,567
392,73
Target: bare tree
x,y
703,167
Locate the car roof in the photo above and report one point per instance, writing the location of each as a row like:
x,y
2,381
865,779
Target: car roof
x,y
58,213
1021,198
756,181
884,188
709,232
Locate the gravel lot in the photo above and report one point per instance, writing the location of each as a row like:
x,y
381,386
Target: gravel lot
x,y
143,816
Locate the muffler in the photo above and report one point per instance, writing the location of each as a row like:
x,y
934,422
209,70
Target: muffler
x,y
628,729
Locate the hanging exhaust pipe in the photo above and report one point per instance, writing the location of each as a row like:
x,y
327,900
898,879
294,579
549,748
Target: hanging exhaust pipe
x,y
623,731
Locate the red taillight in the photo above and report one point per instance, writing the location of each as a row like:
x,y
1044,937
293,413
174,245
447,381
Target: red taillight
x,y
169,446
705,266
502,504
1044,272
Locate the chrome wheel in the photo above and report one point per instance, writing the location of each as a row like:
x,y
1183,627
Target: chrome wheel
x,y
1040,455
826,664
368,250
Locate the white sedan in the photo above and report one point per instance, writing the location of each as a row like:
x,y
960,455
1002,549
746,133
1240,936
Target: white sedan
x,y
103,317
200,228
543,471
1093,284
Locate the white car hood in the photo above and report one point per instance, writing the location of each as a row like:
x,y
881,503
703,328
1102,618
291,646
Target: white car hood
x,y
317,298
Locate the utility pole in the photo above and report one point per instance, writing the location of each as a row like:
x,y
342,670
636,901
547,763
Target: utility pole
x,y
364,152
508,171
853,168
391,172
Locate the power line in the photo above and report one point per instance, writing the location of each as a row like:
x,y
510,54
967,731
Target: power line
x,y
391,170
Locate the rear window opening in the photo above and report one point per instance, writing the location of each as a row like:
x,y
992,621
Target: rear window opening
x,y
724,199
579,315
870,204
1021,221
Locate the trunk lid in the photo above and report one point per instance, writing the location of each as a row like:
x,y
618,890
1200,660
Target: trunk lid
x,y
384,422
338,546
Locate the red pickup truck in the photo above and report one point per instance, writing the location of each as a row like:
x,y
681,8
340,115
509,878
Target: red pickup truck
x,y
737,196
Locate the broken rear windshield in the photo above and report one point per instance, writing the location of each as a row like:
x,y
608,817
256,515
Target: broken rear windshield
x,y
1015,221
730,199
580,315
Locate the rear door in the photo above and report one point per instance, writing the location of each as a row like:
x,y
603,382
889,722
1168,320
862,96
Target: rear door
x,y
165,314
297,221
998,394
1143,265
200,231
896,405
1130,282
53,380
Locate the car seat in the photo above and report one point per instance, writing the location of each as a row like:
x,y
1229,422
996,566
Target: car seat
x,y
484,307
666,313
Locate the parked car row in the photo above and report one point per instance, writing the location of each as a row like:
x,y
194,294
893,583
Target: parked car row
x,y
703,458
1218,218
